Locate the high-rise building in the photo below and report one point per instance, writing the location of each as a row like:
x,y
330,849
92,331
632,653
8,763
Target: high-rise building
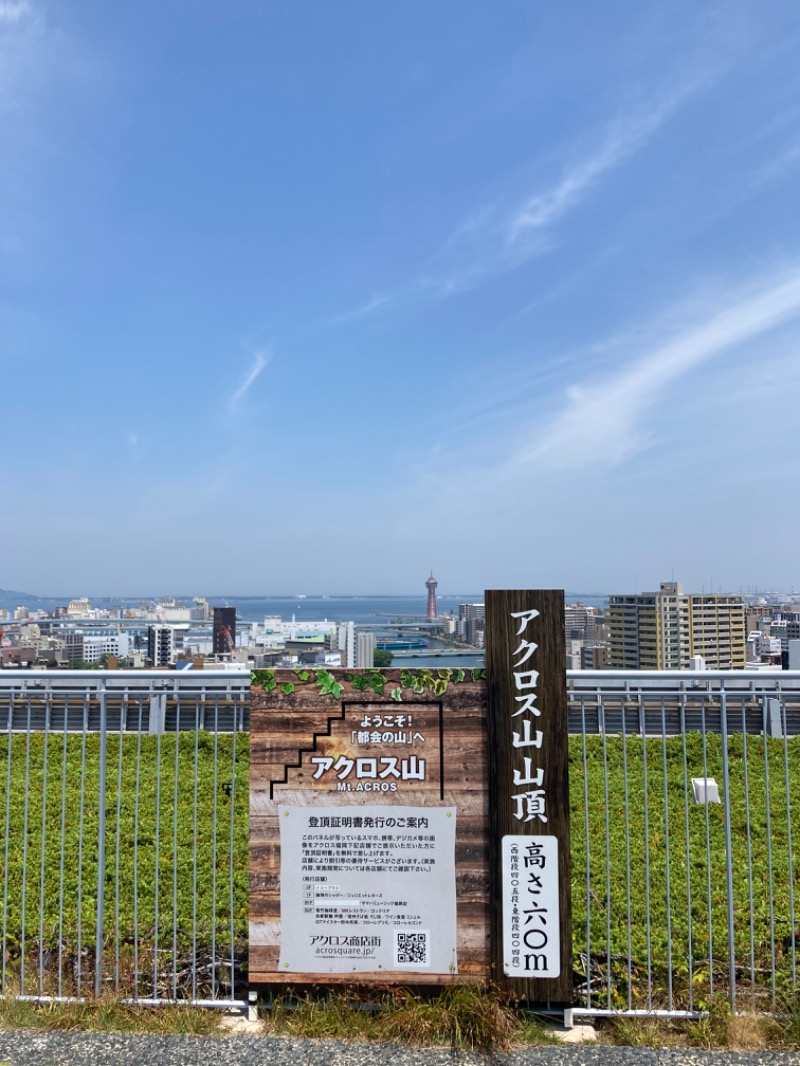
x,y
663,630
73,645
94,648
431,585
160,645
224,639
347,644
471,626
718,631
365,650
580,622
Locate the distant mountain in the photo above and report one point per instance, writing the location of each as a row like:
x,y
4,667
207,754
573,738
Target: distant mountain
x,y
20,597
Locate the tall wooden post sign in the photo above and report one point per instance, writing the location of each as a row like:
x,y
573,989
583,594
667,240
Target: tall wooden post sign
x,y
530,921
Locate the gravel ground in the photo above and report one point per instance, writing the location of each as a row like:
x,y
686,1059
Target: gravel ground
x,y
35,1048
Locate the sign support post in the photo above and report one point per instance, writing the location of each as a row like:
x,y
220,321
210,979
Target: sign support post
x,y
530,920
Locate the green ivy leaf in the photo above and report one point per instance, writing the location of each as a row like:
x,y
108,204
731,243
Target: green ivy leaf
x,y
477,673
287,688
337,689
397,695
407,679
262,678
439,686
459,675
445,673
303,675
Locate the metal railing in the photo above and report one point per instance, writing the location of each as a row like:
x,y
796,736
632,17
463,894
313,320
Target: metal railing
x,y
675,902
124,822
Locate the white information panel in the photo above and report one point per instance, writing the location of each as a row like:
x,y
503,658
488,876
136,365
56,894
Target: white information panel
x,y
367,889
531,934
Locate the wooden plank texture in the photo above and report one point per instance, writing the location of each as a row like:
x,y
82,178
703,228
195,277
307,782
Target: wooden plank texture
x,y
291,730
504,634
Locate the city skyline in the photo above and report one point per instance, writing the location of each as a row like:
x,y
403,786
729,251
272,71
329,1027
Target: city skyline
x,y
510,291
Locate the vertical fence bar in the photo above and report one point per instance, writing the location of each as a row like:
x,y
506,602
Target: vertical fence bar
x,y
768,812
214,855
123,716
667,886
63,847
156,862
101,847
25,840
7,840
648,927
588,854
80,838
42,867
175,851
604,738
230,864
194,844
136,794
687,841
790,855
749,845
624,712
726,804
708,854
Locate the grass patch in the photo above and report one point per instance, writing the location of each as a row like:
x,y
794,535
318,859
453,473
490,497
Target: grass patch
x,y
160,907
463,1017
631,933
106,1015
639,930
717,1029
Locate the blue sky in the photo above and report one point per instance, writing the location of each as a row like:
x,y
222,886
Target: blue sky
x,y
312,297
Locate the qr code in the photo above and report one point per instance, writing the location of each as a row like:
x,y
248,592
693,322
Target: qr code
x,y
411,949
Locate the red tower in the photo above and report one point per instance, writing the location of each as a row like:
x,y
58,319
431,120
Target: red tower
x,y
431,585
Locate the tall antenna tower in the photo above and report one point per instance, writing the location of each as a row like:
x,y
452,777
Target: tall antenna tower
x,y
431,585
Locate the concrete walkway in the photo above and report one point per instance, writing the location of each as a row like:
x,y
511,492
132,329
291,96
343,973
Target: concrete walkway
x,y
36,1048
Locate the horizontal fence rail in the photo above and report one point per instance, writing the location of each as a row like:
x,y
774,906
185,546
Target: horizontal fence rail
x,y
124,822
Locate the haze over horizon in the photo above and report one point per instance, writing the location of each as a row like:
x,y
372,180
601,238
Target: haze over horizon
x,y
321,296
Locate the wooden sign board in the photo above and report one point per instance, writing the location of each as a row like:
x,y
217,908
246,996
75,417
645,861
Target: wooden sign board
x,y
531,928
412,827
339,739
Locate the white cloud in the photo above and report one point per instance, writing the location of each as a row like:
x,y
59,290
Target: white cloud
x,y
14,11
601,422
496,239
624,136
260,361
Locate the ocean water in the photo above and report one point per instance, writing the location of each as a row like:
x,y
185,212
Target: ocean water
x,y
360,609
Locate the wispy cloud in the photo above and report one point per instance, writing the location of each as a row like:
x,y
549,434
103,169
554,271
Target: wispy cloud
x,y
625,135
14,11
260,360
373,304
21,44
505,234
785,163
601,422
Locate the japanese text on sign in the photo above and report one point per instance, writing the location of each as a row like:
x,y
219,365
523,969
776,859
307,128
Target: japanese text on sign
x,y
530,803
531,928
367,889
